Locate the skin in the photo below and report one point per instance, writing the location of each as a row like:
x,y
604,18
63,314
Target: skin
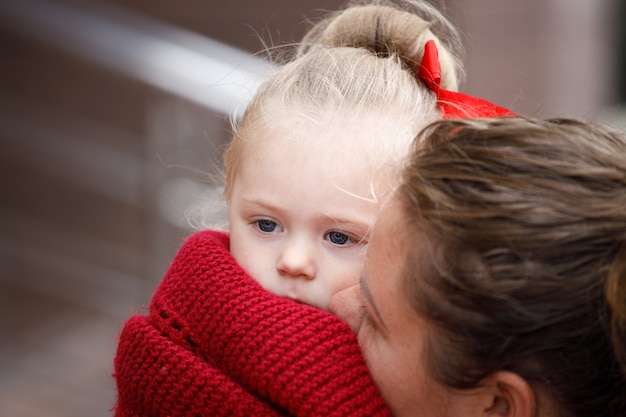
x,y
393,337
301,208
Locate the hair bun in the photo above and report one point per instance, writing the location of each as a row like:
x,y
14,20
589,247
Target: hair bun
x,y
386,29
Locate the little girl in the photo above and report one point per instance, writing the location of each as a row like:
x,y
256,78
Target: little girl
x,y
319,146
315,153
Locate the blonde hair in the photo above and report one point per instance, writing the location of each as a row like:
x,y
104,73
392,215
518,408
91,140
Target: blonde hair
x,y
387,28
362,60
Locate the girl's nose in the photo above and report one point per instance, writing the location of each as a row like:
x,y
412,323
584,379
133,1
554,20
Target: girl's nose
x,y
297,260
347,306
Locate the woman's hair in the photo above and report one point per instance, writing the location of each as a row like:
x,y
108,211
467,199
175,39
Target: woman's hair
x,y
526,221
357,61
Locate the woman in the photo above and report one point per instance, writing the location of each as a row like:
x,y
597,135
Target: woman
x,y
495,279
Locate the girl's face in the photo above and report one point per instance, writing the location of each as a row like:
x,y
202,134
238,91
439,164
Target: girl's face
x,y
391,334
301,209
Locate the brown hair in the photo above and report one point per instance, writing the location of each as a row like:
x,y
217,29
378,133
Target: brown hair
x,y
527,224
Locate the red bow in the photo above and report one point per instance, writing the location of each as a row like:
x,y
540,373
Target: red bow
x,y
453,104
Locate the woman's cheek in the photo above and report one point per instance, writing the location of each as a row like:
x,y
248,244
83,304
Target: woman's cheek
x,y
373,353
368,342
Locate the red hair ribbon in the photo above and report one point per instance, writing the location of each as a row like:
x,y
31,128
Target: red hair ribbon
x,y
453,104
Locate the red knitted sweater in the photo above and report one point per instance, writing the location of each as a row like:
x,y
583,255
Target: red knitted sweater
x,y
215,343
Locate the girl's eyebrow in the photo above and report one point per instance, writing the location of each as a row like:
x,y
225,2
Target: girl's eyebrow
x,y
367,295
255,202
342,221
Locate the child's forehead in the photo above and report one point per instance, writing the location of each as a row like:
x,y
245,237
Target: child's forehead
x,y
319,151
358,130
332,113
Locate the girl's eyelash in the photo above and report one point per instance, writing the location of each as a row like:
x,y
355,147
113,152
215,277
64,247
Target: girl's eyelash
x,y
355,239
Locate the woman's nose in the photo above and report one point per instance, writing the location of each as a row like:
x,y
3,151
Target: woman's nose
x,y
297,260
346,305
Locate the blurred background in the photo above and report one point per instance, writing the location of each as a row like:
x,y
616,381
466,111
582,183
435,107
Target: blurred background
x,y
113,117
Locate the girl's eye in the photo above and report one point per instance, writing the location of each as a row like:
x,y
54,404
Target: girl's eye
x,y
339,238
266,226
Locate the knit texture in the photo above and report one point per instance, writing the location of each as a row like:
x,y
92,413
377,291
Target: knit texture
x,y
215,343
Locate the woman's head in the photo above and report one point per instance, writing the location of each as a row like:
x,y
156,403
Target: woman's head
x,y
513,244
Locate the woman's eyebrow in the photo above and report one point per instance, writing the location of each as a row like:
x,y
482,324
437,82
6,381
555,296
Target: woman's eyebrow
x,y
370,301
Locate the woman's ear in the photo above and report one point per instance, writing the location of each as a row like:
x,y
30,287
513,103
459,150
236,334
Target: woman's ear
x,y
510,396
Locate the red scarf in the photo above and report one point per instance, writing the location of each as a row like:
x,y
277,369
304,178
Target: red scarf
x,y
216,343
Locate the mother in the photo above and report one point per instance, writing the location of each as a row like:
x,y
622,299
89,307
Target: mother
x,y
495,280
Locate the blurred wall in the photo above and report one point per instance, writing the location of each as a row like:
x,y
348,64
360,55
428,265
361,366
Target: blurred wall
x,y
106,142
542,57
